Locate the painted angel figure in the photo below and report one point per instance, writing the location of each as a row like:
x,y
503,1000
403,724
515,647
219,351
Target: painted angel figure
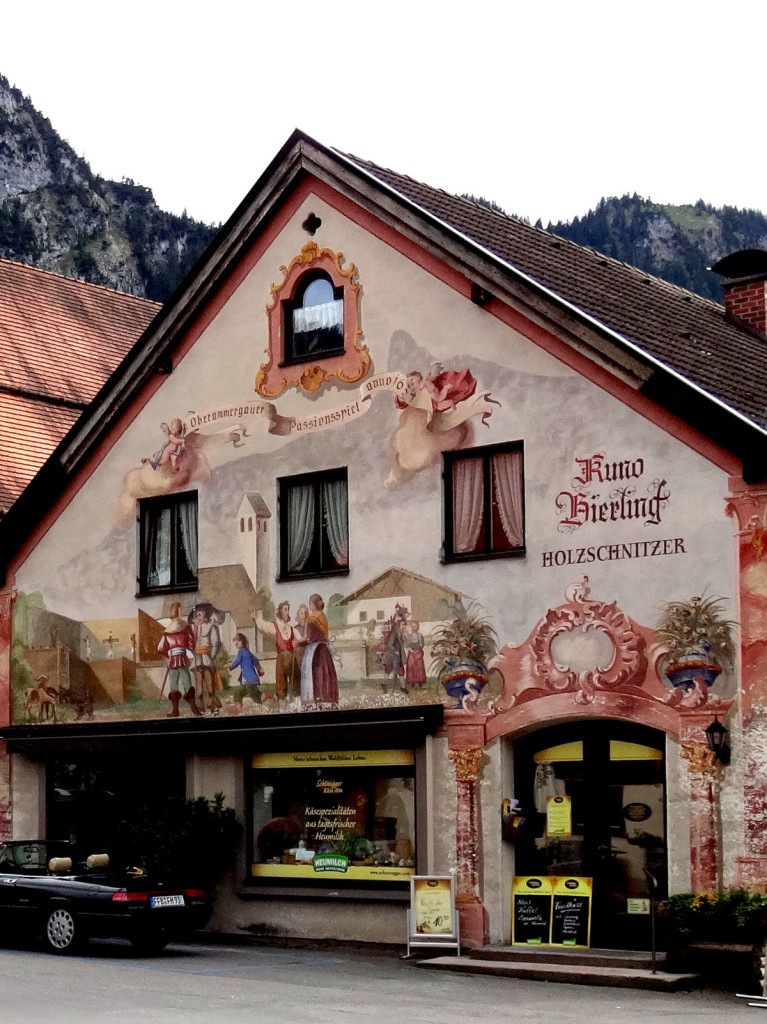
x,y
173,449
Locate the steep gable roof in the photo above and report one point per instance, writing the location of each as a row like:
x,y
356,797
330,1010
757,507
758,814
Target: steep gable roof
x,y
60,340
690,335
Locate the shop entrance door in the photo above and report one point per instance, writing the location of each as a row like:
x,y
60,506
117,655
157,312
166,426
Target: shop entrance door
x,y
614,777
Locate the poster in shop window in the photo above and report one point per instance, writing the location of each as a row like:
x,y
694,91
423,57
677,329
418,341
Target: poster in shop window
x,y
559,816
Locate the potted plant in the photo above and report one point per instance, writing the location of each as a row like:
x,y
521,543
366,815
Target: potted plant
x,y
698,639
461,650
730,916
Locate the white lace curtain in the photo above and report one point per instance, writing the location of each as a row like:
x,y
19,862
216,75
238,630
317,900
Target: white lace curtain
x,y
316,318
157,554
469,502
164,532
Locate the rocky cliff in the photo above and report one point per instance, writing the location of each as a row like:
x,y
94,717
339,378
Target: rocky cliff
x,y
57,215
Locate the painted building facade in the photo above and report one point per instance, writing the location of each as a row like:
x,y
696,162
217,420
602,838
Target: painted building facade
x,y
382,547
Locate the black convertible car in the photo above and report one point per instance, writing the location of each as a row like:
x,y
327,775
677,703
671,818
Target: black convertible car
x,y
47,890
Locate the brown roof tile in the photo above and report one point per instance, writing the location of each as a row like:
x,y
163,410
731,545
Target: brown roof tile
x,y
29,432
59,341
689,334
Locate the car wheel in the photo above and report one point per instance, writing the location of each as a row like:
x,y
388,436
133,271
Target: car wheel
x,y
153,942
62,932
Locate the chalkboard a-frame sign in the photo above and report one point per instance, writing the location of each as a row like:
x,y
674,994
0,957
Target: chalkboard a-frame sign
x,y
549,910
531,916
571,912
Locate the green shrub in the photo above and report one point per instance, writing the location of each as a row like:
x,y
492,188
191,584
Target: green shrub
x,y
729,916
192,842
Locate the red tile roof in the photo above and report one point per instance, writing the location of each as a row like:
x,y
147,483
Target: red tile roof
x,y
59,341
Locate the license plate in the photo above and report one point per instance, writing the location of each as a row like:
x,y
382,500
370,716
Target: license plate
x,y
166,901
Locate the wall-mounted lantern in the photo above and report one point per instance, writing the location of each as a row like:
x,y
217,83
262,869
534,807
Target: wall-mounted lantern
x,y
718,737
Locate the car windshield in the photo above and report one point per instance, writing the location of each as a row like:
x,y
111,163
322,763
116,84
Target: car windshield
x,y
31,856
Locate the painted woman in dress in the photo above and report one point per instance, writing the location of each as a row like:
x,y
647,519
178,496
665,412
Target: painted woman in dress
x,y
415,671
319,681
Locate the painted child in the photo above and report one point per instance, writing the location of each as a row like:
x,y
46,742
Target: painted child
x,y
249,666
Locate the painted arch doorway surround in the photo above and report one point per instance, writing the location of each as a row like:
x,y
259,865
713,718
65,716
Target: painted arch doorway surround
x,y
614,774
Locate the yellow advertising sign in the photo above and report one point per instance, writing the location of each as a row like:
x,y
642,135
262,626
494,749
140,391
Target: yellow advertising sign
x,y
334,759
559,816
433,906
351,873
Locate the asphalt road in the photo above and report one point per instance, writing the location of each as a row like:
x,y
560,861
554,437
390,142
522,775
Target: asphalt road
x,y
221,984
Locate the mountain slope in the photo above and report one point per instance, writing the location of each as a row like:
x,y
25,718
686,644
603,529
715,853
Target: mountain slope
x,y
676,243
56,214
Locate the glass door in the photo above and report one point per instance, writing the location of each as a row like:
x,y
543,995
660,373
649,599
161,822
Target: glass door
x,y
612,777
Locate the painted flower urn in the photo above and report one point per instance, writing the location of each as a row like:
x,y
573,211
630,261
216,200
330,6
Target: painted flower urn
x,y
698,640
461,649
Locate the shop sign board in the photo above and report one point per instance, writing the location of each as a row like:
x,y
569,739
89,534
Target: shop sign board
x,y
333,759
551,910
432,919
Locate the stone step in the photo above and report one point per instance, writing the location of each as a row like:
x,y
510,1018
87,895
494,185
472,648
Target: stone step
x,y
626,958
616,977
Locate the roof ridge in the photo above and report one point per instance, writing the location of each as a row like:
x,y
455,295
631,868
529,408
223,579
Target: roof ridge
x,y
78,281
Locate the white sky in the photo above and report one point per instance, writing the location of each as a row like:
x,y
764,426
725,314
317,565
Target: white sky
x,y
543,107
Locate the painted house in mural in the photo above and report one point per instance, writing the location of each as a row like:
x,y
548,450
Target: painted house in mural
x,y
402,510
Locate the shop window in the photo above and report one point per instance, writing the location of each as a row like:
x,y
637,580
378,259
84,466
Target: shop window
x,y
484,502
167,543
334,816
314,322
314,524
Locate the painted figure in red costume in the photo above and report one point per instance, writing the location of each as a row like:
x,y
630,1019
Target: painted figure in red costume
x,y
175,644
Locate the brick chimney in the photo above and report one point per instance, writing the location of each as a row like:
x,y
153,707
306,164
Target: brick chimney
x,y
745,287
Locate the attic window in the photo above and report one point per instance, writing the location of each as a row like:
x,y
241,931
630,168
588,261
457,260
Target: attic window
x,y
314,328
314,320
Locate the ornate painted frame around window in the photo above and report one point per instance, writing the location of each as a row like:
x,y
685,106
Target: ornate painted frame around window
x,y
275,375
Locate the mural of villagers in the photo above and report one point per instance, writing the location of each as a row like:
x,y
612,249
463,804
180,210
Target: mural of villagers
x,y
199,660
